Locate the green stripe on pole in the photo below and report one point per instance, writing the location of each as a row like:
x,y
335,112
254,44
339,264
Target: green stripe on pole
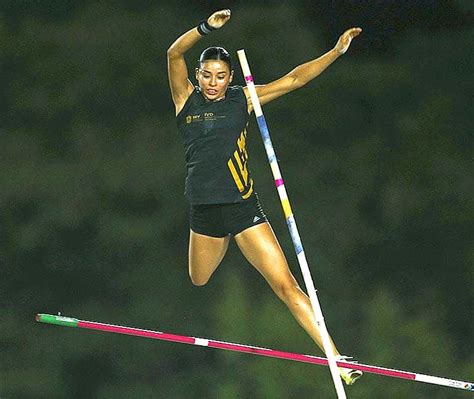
x,y
58,320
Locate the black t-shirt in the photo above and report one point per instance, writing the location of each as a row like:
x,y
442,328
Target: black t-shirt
x,y
214,134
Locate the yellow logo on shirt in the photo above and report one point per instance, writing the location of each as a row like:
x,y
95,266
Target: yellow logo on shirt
x,y
238,167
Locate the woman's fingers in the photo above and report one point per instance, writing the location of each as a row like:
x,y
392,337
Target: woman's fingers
x,y
353,32
219,18
345,40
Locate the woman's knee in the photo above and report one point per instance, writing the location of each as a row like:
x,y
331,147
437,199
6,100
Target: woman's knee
x,y
198,279
199,273
287,291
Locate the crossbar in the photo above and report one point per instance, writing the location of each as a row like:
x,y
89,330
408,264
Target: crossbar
x,y
254,350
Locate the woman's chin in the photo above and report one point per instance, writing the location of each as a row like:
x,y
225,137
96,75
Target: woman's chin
x,y
213,96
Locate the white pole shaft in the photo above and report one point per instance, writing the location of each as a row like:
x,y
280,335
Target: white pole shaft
x,y
291,222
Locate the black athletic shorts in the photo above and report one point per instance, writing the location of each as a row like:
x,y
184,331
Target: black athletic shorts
x,y
220,220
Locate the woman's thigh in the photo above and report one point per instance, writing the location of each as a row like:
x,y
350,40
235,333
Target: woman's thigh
x,y
205,255
261,248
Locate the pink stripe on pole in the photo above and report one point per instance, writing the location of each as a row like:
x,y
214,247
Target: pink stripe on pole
x,y
267,352
279,182
308,359
382,371
240,348
135,332
249,78
138,332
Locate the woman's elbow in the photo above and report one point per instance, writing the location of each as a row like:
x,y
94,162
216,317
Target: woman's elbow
x,y
173,52
297,82
294,81
170,52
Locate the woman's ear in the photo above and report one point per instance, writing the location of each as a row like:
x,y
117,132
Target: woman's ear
x,y
231,76
196,73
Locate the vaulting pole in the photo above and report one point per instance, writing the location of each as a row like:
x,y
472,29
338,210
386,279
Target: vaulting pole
x,y
291,222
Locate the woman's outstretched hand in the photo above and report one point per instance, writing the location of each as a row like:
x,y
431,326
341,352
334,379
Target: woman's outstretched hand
x,y
345,40
219,18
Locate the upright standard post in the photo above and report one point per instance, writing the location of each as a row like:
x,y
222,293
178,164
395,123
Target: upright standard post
x,y
291,222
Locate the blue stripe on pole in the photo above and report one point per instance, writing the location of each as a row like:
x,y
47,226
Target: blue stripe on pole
x,y
295,236
267,141
290,221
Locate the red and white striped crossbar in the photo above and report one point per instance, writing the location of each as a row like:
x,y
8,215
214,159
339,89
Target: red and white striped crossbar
x,y
137,332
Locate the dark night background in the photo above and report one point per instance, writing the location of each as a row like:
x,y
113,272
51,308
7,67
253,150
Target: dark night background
x,y
377,156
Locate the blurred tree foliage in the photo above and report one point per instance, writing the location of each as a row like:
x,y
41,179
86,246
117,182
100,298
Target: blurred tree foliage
x,y
93,221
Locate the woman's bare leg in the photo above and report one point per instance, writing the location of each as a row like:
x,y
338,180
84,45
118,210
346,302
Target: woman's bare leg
x,y
205,255
261,248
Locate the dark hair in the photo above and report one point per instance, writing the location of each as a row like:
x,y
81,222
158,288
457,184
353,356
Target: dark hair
x,y
216,53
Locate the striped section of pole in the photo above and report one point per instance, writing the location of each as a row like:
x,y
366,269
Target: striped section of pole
x,y
291,222
297,357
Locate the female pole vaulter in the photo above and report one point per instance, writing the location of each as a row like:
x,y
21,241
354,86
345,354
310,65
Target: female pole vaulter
x,y
212,118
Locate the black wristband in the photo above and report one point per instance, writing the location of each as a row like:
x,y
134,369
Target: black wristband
x,y
204,28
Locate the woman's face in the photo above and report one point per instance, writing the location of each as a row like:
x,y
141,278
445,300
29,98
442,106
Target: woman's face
x,y
213,77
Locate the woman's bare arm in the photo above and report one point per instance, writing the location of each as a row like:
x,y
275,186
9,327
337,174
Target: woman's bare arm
x,y
304,73
180,85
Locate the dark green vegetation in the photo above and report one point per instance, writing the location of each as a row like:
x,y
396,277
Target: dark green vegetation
x,y
377,158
